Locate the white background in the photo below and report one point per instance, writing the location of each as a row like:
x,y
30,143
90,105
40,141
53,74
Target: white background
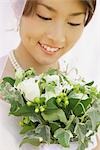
x,y
85,55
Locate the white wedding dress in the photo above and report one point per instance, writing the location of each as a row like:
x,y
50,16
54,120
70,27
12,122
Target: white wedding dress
x,y
10,137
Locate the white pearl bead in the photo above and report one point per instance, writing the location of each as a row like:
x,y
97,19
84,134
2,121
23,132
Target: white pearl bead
x,y
14,61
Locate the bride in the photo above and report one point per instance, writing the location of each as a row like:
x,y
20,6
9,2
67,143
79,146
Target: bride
x,y
48,29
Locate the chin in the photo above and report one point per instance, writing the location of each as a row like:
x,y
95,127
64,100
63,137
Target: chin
x,y
46,62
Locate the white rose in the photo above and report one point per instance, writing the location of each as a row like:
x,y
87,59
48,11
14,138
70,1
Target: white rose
x,y
48,95
58,89
67,86
51,78
30,88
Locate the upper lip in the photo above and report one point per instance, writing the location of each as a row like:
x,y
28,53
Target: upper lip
x,y
51,46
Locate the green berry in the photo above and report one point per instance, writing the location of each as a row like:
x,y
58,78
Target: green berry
x,y
21,123
29,103
26,120
42,108
64,94
36,100
66,103
58,100
61,95
36,110
42,100
65,99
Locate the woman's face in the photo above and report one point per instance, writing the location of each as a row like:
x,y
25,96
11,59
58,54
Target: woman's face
x,y
53,29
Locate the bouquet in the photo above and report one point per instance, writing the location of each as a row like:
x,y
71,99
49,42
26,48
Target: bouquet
x,y
53,108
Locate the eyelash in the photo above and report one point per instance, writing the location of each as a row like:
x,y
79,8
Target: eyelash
x,y
44,18
74,24
47,19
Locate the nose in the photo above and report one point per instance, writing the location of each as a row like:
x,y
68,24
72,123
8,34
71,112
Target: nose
x,y
56,35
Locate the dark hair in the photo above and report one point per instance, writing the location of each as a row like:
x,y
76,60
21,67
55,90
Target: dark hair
x,y
30,8
91,5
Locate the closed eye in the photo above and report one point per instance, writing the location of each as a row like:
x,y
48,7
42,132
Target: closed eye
x,y
74,24
44,18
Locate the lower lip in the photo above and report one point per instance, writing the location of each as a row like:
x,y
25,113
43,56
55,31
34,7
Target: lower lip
x,y
47,52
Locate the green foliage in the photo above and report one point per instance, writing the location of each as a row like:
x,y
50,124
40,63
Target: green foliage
x,y
63,136
68,115
54,115
9,80
35,141
44,132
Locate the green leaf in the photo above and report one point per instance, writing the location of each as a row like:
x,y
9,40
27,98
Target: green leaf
x,y
79,106
24,111
44,132
86,102
72,103
10,94
80,131
83,146
90,83
52,71
79,109
63,137
88,125
80,96
53,115
26,128
9,80
75,99
54,126
35,141
35,118
94,115
14,107
51,104
70,121
29,73
28,111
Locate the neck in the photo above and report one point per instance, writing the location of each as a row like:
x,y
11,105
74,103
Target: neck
x,y
26,61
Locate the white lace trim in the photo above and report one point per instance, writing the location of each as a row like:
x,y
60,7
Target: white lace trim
x,y
3,61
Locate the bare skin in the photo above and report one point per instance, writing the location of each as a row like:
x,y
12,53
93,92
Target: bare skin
x,y
57,25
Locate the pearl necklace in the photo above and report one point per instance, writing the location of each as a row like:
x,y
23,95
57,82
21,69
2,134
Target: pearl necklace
x,y
15,64
14,61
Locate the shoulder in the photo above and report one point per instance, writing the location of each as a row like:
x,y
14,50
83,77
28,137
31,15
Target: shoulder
x,y
6,68
2,59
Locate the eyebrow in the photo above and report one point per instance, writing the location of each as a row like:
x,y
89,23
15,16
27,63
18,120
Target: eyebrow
x,y
48,7
78,13
54,10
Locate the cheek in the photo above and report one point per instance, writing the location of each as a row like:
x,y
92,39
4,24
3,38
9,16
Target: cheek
x,y
75,35
32,28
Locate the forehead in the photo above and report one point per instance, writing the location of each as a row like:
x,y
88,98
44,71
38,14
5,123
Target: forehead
x,y
62,6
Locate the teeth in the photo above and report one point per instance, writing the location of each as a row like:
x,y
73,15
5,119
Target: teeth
x,y
49,48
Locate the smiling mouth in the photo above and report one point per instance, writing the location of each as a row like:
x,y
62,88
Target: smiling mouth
x,y
48,49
